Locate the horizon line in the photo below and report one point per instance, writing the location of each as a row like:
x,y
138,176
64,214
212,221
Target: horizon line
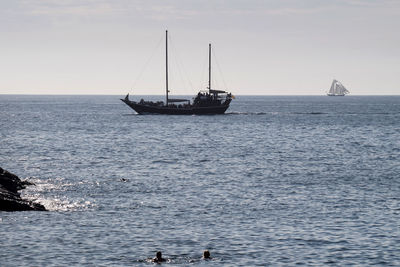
x,y
191,95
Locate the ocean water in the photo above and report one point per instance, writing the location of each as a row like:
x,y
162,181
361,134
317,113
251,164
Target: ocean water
x,y
277,181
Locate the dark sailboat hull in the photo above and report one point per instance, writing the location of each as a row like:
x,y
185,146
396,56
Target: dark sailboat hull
x,y
205,103
193,110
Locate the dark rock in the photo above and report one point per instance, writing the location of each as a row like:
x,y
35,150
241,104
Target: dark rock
x,y
10,199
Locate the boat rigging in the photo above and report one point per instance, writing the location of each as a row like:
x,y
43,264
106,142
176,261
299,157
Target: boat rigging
x,y
209,101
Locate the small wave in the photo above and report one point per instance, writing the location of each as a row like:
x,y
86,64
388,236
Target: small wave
x,y
373,113
164,161
345,113
310,113
245,113
318,242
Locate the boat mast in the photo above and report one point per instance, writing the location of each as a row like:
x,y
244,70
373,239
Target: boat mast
x,y
166,67
209,66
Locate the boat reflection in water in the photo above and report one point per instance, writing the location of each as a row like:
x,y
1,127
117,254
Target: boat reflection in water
x,y
207,101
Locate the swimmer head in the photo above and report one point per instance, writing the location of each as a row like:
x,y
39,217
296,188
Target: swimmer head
x,y
206,254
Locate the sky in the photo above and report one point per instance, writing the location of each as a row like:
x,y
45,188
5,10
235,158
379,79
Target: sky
x,y
260,47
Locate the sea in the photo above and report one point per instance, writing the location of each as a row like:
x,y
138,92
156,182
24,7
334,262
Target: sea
x,y
276,181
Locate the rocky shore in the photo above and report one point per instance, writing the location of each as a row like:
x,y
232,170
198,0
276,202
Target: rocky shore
x,y
10,199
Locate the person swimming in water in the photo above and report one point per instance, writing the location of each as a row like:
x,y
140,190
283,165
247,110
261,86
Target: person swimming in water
x,y
159,257
206,254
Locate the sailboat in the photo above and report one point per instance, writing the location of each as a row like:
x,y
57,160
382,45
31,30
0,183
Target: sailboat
x,y
337,89
209,101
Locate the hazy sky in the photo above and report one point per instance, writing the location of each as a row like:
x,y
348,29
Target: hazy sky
x,y
261,47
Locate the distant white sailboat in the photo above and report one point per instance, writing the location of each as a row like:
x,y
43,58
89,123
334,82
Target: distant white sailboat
x,y
337,89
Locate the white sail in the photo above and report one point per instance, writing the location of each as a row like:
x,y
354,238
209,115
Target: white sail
x,y
337,89
333,86
342,89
